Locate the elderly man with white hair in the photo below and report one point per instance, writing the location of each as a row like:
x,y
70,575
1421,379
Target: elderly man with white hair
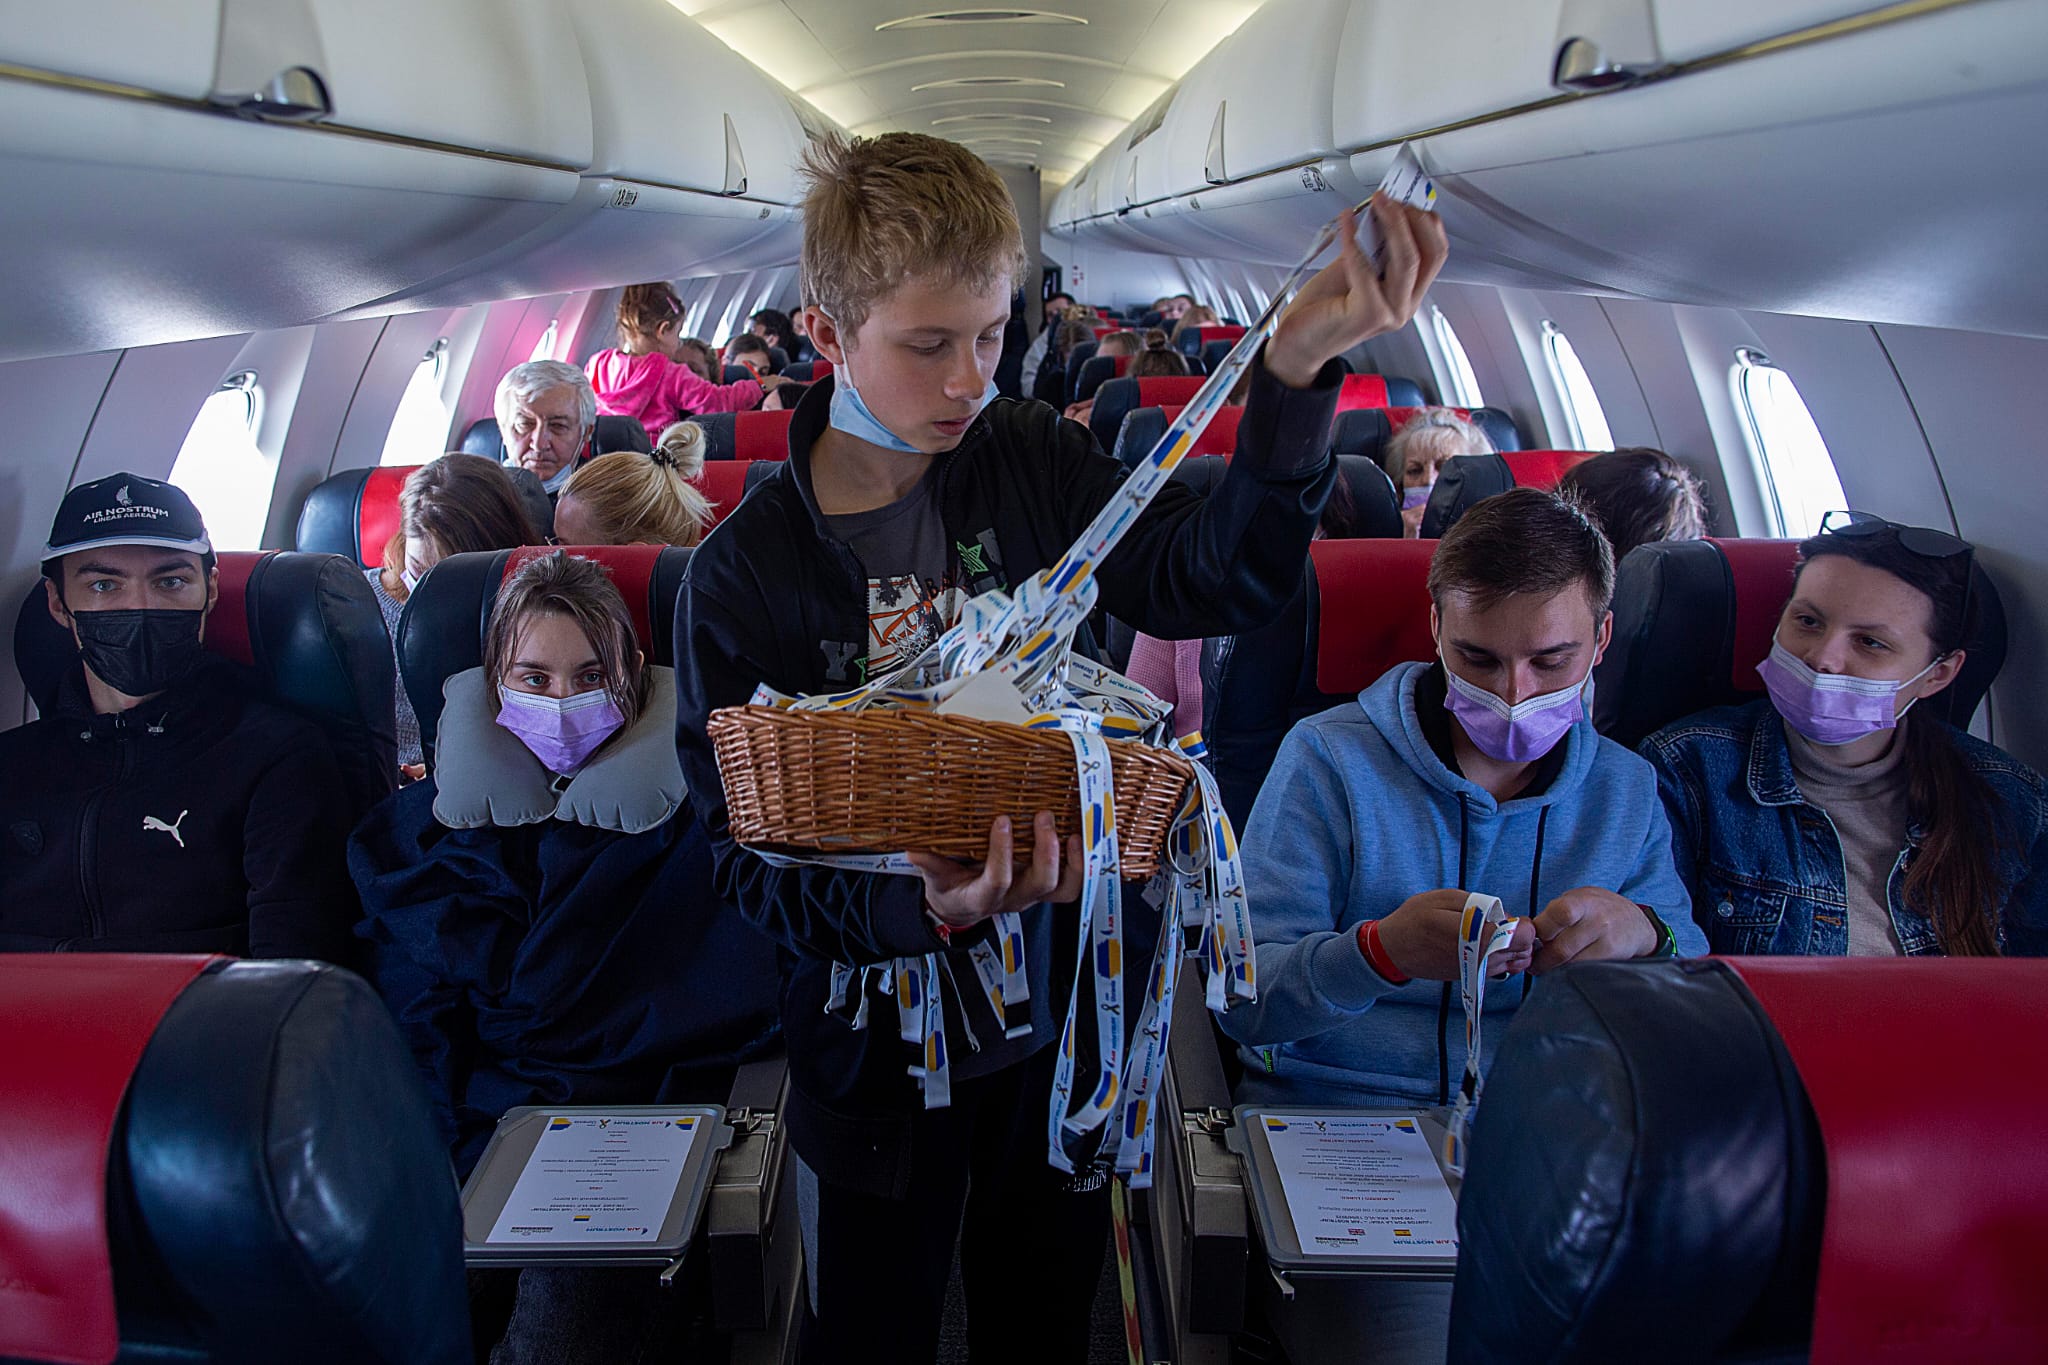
x,y
547,413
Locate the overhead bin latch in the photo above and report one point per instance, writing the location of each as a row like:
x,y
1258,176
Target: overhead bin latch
x,y
735,161
1605,43
1213,169
269,62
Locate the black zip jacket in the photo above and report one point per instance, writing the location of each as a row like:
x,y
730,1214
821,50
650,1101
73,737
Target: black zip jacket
x,y
772,597
203,821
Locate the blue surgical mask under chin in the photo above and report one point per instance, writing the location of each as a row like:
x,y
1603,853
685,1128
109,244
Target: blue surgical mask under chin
x,y
559,480
851,414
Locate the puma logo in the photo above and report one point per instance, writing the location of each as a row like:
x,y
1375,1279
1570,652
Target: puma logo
x,y
151,823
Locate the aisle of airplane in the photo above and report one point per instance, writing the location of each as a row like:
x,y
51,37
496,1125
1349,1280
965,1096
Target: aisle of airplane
x,y
261,249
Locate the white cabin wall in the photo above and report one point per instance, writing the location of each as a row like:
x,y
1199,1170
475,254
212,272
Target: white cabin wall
x,y
1972,395
50,406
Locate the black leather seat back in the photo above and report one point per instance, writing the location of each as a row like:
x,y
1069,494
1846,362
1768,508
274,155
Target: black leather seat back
x,y
278,1190
1646,1178
1693,619
308,629
443,629
1082,353
356,511
1363,607
1467,480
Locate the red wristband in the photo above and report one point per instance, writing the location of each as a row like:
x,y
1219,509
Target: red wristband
x,y
1376,954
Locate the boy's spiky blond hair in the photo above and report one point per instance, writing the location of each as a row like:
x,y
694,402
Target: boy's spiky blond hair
x,y
880,210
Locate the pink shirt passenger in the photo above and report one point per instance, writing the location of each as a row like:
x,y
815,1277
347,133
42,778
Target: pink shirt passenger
x,y
657,390
1172,671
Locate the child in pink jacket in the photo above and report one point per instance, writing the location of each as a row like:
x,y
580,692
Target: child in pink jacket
x,y
642,379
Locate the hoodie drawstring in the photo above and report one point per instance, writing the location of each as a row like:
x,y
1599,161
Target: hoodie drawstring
x,y
1443,1004
1535,880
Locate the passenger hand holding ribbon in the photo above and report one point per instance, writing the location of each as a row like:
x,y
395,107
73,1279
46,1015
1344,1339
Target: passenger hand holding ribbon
x,y
1015,652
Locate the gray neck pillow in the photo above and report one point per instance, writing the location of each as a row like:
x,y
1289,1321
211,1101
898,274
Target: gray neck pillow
x,y
485,776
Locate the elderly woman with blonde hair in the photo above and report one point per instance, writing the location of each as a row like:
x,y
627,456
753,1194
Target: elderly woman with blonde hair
x,y
1419,449
627,498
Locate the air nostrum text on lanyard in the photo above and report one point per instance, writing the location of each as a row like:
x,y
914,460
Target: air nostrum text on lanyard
x,y
1025,641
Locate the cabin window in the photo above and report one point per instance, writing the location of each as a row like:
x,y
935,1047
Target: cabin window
x,y
544,349
1585,420
1459,382
1798,475
220,466
419,429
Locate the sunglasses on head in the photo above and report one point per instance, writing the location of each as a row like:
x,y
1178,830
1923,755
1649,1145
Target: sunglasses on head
x,y
1924,541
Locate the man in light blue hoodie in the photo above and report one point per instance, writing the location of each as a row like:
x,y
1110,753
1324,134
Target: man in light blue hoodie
x,y
1479,772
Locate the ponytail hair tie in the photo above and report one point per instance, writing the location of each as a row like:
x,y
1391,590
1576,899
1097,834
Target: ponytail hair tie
x,y
664,458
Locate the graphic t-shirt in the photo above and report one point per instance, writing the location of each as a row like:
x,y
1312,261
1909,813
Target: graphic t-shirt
x,y
914,592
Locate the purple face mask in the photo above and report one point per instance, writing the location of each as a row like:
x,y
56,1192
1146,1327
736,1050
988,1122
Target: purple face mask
x,y
1416,496
1514,734
1832,708
563,733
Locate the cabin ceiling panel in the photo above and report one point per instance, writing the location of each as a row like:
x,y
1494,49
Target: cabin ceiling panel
x,y
1076,84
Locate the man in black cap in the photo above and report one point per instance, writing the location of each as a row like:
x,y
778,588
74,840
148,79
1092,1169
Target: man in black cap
x,y
160,806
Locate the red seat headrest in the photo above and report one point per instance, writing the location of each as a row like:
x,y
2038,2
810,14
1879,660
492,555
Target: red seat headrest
x,y
443,630
1761,571
632,569
76,1027
761,435
1922,1074
377,511
1227,332
1362,391
1373,609
1219,437
1122,363
1157,391
820,368
725,483
1542,468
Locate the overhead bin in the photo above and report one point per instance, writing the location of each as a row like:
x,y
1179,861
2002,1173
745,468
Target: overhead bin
x,y
131,222
440,154
1771,162
480,75
674,106
165,46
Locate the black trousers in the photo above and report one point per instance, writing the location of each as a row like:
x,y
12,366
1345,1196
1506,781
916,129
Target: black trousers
x,y
1030,1250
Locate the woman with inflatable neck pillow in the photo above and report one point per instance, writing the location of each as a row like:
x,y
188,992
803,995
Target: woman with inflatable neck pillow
x,y
542,917
1417,452
1843,814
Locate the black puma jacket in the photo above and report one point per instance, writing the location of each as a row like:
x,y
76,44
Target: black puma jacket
x,y
203,821
771,597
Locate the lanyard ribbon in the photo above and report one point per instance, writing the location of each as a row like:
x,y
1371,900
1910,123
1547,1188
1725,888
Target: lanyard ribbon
x,y
1025,640
1487,930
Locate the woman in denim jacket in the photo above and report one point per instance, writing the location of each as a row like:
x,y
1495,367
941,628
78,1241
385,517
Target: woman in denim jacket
x,y
1827,820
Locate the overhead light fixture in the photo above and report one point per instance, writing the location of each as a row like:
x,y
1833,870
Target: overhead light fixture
x,y
990,118
1015,141
960,82
981,16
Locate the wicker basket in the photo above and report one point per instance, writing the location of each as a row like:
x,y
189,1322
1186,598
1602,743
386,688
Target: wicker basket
x,y
880,781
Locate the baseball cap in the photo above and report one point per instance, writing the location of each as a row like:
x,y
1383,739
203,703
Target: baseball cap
x,y
126,509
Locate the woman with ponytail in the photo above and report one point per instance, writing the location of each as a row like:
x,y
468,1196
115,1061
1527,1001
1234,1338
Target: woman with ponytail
x,y
1157,359
627,498
642,378
1841,816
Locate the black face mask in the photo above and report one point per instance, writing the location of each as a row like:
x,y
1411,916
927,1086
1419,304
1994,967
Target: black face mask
x,y
139,652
